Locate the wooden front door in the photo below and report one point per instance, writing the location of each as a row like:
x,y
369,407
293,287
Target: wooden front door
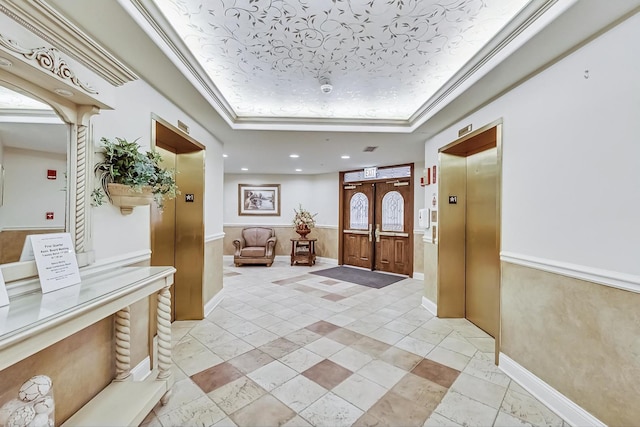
x,y
357,234
393,227
377,220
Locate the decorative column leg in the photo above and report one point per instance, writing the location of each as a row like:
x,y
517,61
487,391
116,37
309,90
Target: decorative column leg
x,y
164,339
123,344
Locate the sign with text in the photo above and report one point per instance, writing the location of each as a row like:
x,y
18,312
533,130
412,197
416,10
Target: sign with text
x,y
56,261
4,297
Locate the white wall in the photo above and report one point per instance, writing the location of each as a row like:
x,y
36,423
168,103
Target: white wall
x,y
115,234
28,194
316,193
571,156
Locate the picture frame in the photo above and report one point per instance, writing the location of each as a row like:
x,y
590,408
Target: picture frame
x,y
259,199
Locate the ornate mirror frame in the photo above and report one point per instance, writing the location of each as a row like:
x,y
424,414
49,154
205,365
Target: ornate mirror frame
x,y
79,178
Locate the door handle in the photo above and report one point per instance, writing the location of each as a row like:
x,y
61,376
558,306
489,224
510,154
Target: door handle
x,y
377,233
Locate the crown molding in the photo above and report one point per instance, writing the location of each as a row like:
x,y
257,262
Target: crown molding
x,y
46,22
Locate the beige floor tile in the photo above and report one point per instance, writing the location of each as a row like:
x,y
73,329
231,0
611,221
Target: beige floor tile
x,y
251,360
232,349
199,362
382,373
266,411
401,358
506,420
260,337
279,347
236,394
272,375
351,358
394,409
421,391
303,336
486,370
387,336
331,410
466,411
449,358
225,422
301,359
201,411
324,347
478,389
327,373
360,391
437,420
459,346
299,392
401,327
527,408
182,392
297,421
416,346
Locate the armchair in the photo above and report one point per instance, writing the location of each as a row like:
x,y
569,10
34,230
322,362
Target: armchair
x,y
256,246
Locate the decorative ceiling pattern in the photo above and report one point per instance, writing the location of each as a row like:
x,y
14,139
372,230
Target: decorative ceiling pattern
x,y
384,58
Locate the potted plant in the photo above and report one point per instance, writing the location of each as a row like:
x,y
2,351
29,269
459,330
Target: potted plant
x,y
129,177
304,221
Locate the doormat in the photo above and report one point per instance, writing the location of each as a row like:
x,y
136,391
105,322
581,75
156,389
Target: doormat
x,y
372,279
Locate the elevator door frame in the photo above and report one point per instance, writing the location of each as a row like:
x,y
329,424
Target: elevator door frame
x,y
451,228
187,302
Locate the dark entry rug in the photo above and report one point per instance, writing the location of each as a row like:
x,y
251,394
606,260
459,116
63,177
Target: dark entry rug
x,y
372,279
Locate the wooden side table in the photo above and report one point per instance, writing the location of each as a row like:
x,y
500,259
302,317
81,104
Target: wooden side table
x,y
303,251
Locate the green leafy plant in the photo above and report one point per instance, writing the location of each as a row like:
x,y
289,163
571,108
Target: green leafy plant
x,y
124,163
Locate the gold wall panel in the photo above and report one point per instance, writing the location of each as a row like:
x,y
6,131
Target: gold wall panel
x,y
482,258
189,244
579,337
213,278
451,236
431,271
418,253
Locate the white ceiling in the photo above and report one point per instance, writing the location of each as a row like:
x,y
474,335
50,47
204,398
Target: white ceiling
x,y
384,58
138,34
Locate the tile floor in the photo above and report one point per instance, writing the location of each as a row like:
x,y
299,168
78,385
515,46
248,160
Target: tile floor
x,y
288,348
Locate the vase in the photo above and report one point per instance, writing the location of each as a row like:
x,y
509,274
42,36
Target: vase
x,y
303,230
126,198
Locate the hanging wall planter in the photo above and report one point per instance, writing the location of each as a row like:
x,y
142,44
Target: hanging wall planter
x,y
130,178
127,198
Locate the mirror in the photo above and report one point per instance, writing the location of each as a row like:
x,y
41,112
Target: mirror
x,y
34,145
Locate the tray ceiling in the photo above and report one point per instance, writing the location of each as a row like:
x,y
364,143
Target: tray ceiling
x,y
386,59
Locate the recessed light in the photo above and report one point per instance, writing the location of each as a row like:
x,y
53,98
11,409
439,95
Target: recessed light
x,y
345,157
298,170
225,155
294,156
244,169
4,62
63,92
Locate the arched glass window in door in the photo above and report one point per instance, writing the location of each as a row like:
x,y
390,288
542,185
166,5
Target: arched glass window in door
x,y
393,212
359,212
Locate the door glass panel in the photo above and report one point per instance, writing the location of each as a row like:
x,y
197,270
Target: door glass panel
x,y
359,208
393,212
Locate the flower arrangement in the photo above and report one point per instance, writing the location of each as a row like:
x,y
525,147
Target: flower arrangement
x,y
303,218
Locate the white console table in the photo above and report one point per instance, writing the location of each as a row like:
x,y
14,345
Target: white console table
x,y
34,321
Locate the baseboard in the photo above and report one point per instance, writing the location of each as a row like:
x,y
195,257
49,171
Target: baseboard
x,y
329,261
213,302
418,276
142,370
430,306
552,398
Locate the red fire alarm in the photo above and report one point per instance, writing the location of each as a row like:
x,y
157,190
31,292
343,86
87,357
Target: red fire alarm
x,y
52,174
49,215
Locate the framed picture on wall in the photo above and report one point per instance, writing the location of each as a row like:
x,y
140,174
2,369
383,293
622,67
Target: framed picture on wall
x,y
259,200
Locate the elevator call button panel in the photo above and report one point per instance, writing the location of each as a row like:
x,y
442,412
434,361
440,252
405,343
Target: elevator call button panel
x,y
453,200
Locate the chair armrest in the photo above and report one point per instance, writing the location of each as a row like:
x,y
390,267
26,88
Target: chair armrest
x,y
238,245
271,244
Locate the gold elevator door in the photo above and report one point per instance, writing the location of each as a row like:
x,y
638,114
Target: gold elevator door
x,y
482,264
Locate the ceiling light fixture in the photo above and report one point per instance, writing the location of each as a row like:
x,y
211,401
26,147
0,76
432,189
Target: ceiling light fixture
x,y
244,169
225,155
294,156
345,157
325,85
298,170
4,62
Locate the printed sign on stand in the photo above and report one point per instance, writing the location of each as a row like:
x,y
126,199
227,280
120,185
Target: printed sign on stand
x,y
56,261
